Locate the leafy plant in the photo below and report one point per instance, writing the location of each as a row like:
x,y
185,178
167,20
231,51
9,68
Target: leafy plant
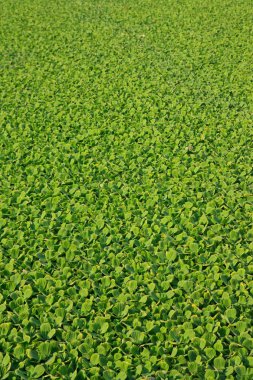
x,y
126,189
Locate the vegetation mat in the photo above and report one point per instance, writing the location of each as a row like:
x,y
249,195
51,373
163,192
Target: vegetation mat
x,y
126,180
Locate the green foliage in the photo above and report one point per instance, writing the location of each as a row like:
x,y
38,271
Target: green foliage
x,y
126,189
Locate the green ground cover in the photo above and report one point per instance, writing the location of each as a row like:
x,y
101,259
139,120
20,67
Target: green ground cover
x,y
125,189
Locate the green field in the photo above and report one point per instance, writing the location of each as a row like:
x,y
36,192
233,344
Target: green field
x,y
126,154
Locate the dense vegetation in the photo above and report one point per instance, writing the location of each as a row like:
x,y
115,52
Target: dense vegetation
x,y
125,180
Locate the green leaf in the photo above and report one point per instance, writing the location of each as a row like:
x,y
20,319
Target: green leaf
x,y
19,351
27,291
45,329
132,285
104,327
149,325
203,219
4,328
143,299
120,309
121,376
37,371
192,355
51,333
6,360
171,255
94,359
233,235
193,367
138,336
188,205
241,371
230,314
100,223
44,350
219,363
108,375
218,346
210,374
210,352
32,354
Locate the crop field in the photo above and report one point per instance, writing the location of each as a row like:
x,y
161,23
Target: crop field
x,y
126,155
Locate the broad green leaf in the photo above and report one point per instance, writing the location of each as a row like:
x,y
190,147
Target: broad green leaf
x,y
4,328
230,314
27,291
210,352
37,371
219,363
94,359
